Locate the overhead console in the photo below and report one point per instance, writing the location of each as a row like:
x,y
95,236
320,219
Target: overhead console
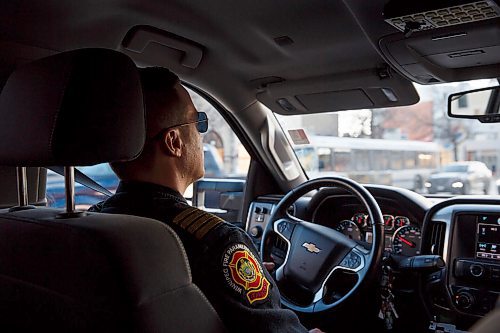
x,y
441,41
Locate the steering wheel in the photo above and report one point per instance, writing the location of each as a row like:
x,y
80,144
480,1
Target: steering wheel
x,y
315,253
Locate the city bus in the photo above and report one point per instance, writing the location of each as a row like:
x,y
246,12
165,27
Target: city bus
x,y
402,163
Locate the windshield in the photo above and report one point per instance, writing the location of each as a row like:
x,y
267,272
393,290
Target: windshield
x,y
455,168
400,146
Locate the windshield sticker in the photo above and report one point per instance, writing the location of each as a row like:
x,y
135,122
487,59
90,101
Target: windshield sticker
x,y
298,136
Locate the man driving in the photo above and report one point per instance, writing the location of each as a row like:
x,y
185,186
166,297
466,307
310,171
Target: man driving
x,y
224,262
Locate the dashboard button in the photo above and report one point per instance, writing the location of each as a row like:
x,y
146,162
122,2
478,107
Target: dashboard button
x,y
351,261
464,300
435,276
460,268
476,270
285,229
256,231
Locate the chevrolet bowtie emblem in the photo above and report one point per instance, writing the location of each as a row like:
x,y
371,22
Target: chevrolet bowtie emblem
x,y
311,247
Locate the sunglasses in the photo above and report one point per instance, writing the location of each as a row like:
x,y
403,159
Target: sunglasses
x,y
201,125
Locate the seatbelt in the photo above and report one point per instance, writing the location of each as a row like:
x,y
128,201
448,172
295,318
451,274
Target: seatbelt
x,y
83,179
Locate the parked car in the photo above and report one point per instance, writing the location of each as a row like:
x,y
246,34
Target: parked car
x,y
460,178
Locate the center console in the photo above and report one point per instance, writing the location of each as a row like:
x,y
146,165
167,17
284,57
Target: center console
x,y
475,282
466,233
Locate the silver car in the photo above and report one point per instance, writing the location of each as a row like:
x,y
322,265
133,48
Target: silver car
x,y
460,178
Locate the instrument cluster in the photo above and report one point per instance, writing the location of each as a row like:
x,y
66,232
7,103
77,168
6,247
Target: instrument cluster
x,y
401,236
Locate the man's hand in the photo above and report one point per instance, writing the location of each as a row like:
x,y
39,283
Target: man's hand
x,y
269,265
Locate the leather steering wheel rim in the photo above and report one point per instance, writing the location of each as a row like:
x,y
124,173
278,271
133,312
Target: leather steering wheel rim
x,y
315,249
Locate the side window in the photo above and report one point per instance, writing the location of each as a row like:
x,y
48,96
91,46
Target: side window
x,y
84,196
225,156
226,167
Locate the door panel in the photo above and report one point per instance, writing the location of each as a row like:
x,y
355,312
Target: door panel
x,y
222,197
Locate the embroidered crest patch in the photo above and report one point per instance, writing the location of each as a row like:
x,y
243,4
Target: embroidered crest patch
x,y
243,273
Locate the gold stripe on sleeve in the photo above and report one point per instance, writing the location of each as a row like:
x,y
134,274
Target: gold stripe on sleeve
x,y
212,223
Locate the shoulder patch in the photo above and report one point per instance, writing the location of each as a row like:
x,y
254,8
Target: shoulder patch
x,y
196,221
243,273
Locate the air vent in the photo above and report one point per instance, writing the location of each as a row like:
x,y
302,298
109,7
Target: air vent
x,y
437,238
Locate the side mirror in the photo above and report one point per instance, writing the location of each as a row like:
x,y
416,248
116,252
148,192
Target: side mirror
x,y
481,104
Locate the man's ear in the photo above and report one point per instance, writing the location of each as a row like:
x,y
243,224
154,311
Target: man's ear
x,y
172,143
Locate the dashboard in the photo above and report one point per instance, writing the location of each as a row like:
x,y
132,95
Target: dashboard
x,y
401,235
463,231
402,210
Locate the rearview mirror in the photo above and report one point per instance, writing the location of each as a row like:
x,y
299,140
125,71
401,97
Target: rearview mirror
x,y
481,104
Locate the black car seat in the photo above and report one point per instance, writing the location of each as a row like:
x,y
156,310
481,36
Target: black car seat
x,y
70,271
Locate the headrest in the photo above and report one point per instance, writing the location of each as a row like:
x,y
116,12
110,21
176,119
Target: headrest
x,y
80,107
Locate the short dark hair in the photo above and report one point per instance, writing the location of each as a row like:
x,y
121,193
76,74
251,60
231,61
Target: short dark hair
x,y
157,79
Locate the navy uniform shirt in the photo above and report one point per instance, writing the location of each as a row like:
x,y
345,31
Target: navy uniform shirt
x,y
224,262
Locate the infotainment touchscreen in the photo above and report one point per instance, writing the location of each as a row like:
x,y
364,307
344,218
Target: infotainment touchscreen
x,y
488,241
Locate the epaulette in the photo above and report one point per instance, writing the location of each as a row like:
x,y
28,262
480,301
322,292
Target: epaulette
x,y
196,221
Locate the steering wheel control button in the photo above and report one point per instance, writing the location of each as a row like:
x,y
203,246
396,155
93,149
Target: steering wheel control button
x,y
476,270
285,228
352,261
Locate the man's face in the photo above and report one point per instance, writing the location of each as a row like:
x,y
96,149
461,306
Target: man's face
x,y
194,167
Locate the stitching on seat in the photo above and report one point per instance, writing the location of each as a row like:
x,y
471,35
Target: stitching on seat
x,y
36,286
160,295
30,220
186,264
204,297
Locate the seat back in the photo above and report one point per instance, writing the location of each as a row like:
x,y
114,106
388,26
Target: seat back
x,y
87,272
97,273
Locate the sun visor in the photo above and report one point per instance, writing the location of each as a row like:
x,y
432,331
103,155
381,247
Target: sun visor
x,y
352,91
453,53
